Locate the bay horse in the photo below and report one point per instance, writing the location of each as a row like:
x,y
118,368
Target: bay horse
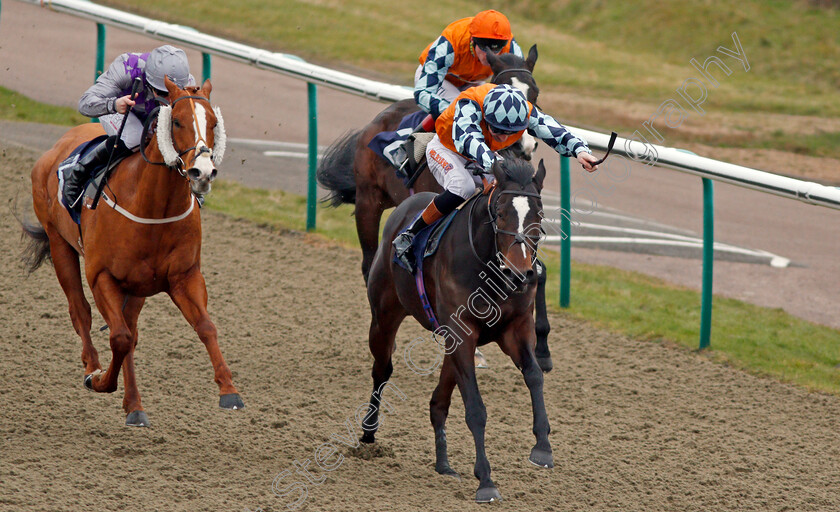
x,y
143,239
355,174
481,286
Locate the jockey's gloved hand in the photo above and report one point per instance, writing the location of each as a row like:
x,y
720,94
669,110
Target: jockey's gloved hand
x,y
476,168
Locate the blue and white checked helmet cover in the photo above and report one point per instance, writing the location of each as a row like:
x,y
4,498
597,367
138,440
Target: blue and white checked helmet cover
x,y
505,108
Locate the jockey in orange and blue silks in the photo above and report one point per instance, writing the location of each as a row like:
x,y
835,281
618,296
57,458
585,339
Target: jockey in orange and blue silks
x,y
457,59
481,121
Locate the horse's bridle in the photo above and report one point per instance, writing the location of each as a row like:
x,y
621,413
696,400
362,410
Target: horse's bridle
x,y
179,164
515,70
518,238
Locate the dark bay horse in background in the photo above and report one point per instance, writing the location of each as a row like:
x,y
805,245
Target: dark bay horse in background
x,y
143,239
355,174
481,285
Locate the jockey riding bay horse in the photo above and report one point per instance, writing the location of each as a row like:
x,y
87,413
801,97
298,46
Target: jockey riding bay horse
x,y
145,239
356,174
480,285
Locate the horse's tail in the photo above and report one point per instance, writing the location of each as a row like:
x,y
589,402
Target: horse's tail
x,y
335,172
38,247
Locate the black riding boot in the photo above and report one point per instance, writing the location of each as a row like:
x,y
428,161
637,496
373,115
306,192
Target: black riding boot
x,y
77,178
443,204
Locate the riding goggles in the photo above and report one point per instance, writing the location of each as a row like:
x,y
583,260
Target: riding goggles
x,y
491,45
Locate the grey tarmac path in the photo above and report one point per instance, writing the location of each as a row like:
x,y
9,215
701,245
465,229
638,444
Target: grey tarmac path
x,y
50,57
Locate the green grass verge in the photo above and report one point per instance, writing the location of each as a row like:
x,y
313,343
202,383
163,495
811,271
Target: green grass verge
x,y
762,341
17,107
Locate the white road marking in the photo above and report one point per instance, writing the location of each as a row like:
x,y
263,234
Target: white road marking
x,y
775,260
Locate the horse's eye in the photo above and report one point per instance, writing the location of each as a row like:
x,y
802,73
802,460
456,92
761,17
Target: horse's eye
x,y
176,123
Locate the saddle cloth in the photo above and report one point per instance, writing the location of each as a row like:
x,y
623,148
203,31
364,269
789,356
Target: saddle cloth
x,y
427,241
67,165
391,145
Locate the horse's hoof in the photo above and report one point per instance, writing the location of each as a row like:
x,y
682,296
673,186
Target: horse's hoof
x,y
487,495
545,363
541,458
368,438
89,379
231,401
448,471
137,419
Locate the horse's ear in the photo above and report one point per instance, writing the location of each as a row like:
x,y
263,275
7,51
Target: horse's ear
x,y
171,87
494,61
539,176
206,87
499,171
531,61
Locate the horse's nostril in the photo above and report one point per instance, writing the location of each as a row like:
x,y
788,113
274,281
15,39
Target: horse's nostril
x,y
193,173
213,174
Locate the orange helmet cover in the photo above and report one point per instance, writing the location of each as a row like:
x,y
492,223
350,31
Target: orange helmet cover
x,y
490,25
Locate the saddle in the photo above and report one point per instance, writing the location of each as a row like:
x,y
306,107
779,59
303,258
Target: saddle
x,y
405,147
92,185
415,158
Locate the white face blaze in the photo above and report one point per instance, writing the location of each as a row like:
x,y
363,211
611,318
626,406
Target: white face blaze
x,y
520,203
529,143
203,162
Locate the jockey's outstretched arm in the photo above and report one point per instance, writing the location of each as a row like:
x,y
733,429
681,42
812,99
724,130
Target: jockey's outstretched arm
x,y
546,128
440,58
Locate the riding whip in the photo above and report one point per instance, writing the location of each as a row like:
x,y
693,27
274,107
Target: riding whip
x,y
135,88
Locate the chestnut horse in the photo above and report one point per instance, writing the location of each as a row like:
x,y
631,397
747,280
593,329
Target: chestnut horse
x,y
355,174
481,286
143,239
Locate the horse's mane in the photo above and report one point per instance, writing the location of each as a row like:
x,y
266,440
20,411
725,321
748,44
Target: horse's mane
x,y
519,171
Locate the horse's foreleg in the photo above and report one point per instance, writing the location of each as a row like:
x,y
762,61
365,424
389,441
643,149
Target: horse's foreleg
x,y
190,295
386,316
541,452
109,300
68,270
131,401
517,343
542,326
438,412
476,416
383,331
368,213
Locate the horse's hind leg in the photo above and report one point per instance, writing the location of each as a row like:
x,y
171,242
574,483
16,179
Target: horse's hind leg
x,y
438,412
110,300
190,295
369,207
68,270
131,401
542,326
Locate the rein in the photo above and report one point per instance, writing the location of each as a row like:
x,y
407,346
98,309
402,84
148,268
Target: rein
x,y
178,167
512,70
